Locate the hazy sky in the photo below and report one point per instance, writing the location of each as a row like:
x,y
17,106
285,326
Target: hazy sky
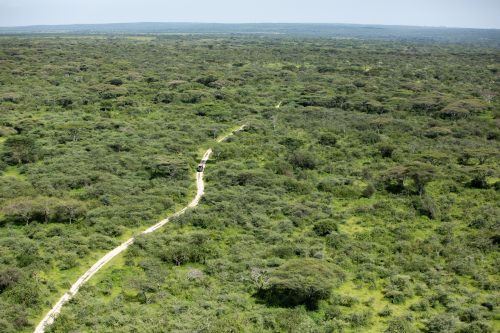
x,y
452,13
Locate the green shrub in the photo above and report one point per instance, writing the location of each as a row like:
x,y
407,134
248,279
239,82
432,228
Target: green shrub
x,y
427,105
402,324
27,293
368,191
386,151
345,300
325,227
328,139
67,261
303,159
336,240
426,206
163,166
9,277
359,319
385,312
370,138
476,327
441,323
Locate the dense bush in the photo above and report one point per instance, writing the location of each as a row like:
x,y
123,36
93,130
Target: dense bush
x,y
325,227
441,323
303,159
369,192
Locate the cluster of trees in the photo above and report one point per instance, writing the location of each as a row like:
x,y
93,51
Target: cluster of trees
x,y
367,201
42,209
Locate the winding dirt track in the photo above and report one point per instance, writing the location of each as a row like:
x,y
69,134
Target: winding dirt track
x,y
52,314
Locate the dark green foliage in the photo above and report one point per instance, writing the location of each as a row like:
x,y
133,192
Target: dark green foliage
x,y
386,151
426,206
370,192
395,179
325,227
14,318
68,261
207,80
372,107
398,289
164,97
64,102
328,139
303,159
193,248
479,179
20,149
116,82
163,166
370,138
27,293
298,281
9,277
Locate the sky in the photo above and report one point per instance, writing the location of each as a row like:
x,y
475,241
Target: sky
x,y
449,13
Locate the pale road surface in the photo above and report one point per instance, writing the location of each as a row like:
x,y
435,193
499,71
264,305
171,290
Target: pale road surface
x,y
52,314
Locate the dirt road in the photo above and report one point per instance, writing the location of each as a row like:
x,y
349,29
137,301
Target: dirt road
x,y
52,314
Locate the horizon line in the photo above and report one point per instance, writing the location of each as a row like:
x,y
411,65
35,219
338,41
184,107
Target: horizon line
x,y
243,23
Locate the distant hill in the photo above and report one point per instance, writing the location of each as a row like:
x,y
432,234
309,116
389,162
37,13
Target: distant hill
x,y
489,37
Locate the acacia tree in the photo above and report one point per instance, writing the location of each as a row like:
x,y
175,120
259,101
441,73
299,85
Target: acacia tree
x,y
420,173
21,208
297,282
20,149
69,210
43,209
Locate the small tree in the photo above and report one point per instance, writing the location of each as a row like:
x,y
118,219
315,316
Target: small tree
x,y
393,179
22,209
69,210
420,173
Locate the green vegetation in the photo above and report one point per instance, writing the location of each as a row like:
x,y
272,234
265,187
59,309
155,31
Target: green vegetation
x,y
367,202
